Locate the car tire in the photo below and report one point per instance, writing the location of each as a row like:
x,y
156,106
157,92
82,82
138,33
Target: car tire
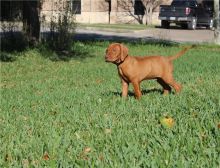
x,y
184,26
210,24
165,24
192,24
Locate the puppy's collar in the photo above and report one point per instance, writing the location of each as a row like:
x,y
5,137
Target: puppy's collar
x,y
119,63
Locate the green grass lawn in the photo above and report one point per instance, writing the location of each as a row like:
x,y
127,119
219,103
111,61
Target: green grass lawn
x,y
70,114
116,27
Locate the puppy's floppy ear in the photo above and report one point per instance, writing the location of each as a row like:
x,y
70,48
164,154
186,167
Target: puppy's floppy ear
x,y
124,52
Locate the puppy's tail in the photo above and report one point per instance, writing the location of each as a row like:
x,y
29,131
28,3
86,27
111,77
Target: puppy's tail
x,y
171,58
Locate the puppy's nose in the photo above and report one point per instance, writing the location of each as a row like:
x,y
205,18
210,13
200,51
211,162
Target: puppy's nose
x,y
106,58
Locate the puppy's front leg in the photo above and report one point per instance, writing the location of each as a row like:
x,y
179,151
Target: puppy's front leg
x,y
124,88
137,90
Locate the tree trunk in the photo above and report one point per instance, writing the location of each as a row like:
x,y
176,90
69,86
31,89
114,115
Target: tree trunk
x,y
148,13
216,21
31,23
144,18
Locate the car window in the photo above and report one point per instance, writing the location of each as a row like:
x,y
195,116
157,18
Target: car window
x,y
183,3
178,3
192,3
208,4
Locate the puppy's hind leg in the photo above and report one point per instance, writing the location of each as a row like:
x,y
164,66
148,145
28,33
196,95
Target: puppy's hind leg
x,y
170,81
166,87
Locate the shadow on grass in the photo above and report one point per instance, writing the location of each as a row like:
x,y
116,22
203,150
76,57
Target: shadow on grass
x,y
95,37
7,57
12,43
15,42
78,51
144,92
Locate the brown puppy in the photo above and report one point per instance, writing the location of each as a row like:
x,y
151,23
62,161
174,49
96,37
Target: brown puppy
x,y
136,69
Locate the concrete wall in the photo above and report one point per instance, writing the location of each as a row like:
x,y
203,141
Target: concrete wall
x,y
93,17
97,11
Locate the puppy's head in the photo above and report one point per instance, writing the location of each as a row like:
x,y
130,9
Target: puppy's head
x,y
116,53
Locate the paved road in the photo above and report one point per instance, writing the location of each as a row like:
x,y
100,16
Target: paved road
x,y
176,35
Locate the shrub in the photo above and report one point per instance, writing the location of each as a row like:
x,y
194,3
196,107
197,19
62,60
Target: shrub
x,y
62,27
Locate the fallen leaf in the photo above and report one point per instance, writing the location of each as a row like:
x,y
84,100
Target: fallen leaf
x,y
99,81
106,115
84,154
46,156
87,150
108,131
167,122
194,114
8,157
203,136
101,157
219,125
35,163
25,118
83,157
25,163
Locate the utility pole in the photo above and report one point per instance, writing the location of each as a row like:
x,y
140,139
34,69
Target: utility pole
x,y
216,22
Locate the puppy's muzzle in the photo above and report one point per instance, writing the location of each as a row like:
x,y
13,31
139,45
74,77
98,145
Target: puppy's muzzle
x,y
107,59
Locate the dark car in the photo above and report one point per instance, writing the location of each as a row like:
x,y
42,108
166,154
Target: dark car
x,y
187,13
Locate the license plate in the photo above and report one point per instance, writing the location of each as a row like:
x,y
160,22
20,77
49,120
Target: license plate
x,y
172,18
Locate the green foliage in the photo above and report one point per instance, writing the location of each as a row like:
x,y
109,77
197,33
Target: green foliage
x,y
70,114
62,28
115,27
